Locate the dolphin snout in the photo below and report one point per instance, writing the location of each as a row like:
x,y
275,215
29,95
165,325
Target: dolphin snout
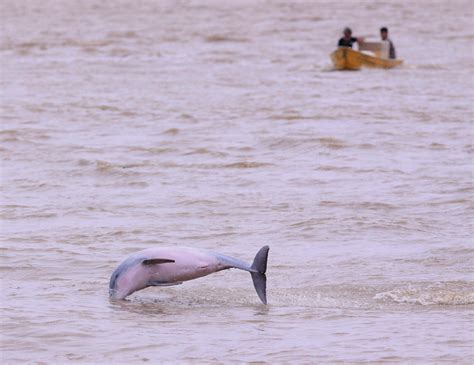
x,y
115,294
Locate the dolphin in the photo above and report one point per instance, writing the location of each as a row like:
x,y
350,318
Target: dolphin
x,y
165,266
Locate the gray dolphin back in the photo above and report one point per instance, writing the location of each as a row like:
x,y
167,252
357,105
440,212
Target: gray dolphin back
x,y
259,268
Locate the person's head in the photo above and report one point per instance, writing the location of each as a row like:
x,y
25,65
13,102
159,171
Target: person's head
x,y
347,32
384,33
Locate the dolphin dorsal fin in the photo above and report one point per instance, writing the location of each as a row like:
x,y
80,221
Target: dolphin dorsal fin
x,y
157,261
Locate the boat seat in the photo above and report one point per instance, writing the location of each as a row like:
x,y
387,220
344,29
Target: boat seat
x,y
380,49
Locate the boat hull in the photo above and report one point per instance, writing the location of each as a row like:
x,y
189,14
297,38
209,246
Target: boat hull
x,y
345,58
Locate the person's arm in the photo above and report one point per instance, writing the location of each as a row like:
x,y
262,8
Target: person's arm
x,y
360,40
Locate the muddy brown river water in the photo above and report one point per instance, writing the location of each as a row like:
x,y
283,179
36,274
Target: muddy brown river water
x,y
220,125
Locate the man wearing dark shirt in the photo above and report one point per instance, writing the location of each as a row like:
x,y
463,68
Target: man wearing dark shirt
x,y
348,40
384,36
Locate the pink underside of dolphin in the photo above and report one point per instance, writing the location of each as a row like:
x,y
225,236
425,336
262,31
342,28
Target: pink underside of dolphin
x,y
165,266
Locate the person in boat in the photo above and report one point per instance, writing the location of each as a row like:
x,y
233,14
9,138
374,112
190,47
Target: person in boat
x,y
384,36
348,40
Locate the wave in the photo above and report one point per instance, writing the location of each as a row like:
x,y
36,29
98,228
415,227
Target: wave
x,y
25,47
220,38
359,205
205,151
427,66
125,34
437,294
246,165
152,150
327,142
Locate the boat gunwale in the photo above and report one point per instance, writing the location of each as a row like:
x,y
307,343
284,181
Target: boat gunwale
x,y
361,60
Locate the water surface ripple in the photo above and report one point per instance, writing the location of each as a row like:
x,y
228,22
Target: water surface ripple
x,y
220,124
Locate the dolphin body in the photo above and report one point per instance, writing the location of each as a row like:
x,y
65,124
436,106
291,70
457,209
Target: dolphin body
x,y
167,266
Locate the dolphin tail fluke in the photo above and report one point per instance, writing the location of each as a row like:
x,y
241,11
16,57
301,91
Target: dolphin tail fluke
x,y
259,267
